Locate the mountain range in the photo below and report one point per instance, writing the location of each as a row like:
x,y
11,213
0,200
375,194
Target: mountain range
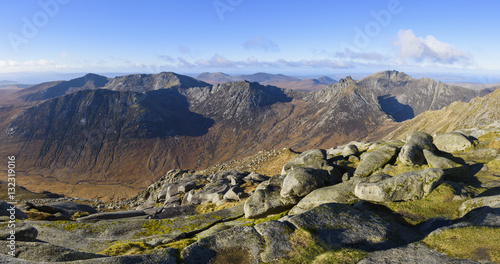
x,y
90,135
278,80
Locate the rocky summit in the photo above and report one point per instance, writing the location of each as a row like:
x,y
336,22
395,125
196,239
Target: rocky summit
x,y
421,199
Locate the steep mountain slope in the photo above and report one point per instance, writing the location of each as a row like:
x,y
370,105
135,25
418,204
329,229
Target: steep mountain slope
x,y
89,142
403,97
478,112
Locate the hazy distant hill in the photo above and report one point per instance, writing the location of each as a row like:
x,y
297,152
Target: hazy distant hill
x,y
278,80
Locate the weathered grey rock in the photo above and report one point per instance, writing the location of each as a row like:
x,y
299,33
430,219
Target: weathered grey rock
x,y
170,212
353,159
483,216
375,160
173,201
481,132
235,194
166,256
66,208
338,193
153,190
314,159
421,139
343,226
411,153
350,150
452,170
414,253
97,236
146,205
301,181
478,154
112,215
266,199
23,231
452,142
395,143
255,177
6,209
221,247
45,252
211,193
411,185
333,152
469,205
276,237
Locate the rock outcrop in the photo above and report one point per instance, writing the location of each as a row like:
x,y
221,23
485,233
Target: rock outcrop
x,y
406,186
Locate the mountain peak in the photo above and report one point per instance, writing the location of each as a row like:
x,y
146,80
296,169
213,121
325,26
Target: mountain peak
x,y
391,75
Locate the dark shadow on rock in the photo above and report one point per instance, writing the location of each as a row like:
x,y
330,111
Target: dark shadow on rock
x,y
400,112
490,192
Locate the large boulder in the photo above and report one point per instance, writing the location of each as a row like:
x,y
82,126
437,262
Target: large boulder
x,y
45,252
452,142
314,159
211,193
6,209
411,185
349,150
452,170
301,181
338,193
411,153
343,226
266,199
413,253
489,201
376,160
23,231
235,245
276,236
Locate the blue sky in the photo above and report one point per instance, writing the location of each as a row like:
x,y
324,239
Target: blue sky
x,y
449,38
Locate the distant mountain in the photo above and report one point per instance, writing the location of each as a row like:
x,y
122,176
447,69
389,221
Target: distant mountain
x,y
476,86
278,80
326,80
478,112
403,97
132,83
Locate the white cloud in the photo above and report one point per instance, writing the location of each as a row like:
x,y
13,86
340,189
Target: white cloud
x,y
428,49
261,43
220,61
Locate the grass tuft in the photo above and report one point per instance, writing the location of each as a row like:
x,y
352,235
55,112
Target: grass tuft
x,y
307,248
439,203
475,242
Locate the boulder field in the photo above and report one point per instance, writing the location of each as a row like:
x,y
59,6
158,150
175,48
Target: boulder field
x,y
426,199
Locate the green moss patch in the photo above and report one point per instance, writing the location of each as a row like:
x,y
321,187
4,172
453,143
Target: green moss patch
x,y
399,168
211,207
156,227
478,243
252,222
307,248
127,248
439,203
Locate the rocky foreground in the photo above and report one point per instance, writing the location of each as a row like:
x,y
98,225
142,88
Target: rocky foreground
x,y
428,199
